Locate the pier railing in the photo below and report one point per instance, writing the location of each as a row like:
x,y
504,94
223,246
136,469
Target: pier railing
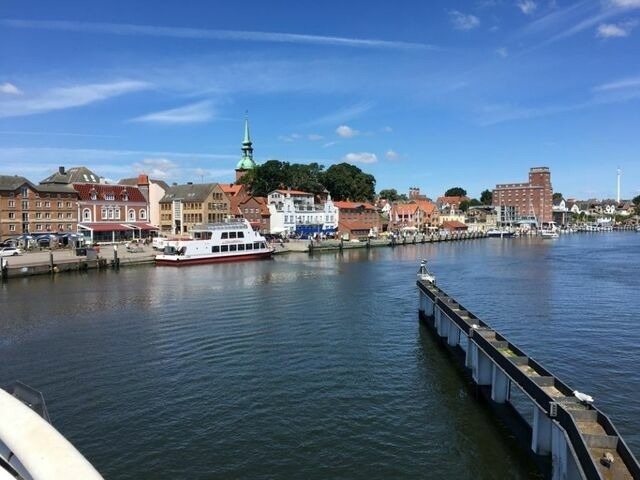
x,y
592,437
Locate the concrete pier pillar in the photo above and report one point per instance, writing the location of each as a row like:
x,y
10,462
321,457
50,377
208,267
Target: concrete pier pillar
x,y
484,368
430,307
540,432
563,463
500,385
471,357
453,338
422,297
443,324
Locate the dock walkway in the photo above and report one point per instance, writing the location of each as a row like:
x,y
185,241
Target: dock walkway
x,y
576,435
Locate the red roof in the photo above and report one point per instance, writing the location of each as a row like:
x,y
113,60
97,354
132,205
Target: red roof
x,y
231,188
454,225
105,227
353,205
134,195
293,192
354,226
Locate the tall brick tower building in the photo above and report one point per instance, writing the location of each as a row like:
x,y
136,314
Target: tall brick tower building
x,y
534,198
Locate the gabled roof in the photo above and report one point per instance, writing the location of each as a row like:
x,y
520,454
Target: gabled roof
x,y
191,192
85,190
353,225
13,182
405,208
134,181
353,205
231,189
72,175
453,224
426,206
260,201
455,200
292,192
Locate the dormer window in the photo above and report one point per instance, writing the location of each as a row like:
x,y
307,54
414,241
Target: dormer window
x,y
109,196
124,195
93,194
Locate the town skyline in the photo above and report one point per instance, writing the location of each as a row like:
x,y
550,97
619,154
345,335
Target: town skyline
x,y
429,96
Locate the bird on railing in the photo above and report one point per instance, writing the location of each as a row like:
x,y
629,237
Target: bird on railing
x,y
583,397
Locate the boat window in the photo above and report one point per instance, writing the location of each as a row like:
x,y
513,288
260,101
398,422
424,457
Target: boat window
x,y
232,234
263,245
240,234
249,246
225,235
224,248
215,249
168,250
206,235
232,248
241,247
256,245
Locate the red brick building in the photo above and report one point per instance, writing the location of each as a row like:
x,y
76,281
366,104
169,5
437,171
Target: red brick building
x,y
355,218
256,210
534,198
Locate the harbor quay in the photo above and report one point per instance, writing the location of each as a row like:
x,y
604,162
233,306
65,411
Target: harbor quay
x,y
116,255
569,437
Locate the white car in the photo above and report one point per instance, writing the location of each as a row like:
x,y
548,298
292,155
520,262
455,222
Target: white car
x,y
10,252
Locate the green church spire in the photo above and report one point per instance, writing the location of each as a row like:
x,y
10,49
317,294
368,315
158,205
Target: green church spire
x,y
246,162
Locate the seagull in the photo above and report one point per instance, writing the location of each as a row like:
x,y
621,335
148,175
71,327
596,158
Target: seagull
x,y
583,397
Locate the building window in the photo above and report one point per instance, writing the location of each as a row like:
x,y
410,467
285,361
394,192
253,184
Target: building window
x,y
109,196
47,204
12,215
142,214
25,192
131,215
25,204
12,203
38,204
12,228
86,215
38,227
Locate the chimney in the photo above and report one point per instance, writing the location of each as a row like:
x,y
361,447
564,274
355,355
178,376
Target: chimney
x,y
61,170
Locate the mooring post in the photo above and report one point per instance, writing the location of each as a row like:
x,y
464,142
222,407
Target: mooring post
x,y
116,260
4,269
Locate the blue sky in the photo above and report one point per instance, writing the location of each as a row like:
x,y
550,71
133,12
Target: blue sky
x,y
428,94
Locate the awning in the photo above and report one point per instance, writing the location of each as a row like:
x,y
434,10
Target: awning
x,y
104,227
141,226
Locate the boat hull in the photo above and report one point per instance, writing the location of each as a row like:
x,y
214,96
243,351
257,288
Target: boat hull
x,y
180,261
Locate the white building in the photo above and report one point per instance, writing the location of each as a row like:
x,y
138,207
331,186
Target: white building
x,y
295,211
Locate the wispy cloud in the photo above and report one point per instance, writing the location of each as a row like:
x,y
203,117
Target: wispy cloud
x,y
192,113
68,97
392,155
211,34
625,3
342,115
360,157
10,89
527,6
503,52
314,137
346,131
613,30
462,21
619,84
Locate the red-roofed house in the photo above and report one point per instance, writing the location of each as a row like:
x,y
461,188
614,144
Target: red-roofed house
x,y
454,226
419,214
256,210
450,203
236,193
356,217
112,213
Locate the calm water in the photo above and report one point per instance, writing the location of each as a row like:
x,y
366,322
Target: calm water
x,y
316,367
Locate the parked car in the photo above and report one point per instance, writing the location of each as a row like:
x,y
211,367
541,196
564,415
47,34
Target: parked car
x,y
10,252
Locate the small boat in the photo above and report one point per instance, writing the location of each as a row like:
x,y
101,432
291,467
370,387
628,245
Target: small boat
x,y
549,234
228,241
425,274
31,448
499,233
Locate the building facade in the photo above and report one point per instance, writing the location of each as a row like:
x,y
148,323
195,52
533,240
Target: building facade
x,y
356,218
294,211
185,206
531,202
29,209
256,211
153,191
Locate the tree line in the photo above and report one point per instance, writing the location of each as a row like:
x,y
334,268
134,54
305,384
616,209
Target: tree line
x,y
343,180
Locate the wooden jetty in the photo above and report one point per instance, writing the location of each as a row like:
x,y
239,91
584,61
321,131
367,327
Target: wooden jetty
x,y
580,440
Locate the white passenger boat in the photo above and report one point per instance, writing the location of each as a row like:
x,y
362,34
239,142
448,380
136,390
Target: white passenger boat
x,y
548,234
30,447
228,241
500,233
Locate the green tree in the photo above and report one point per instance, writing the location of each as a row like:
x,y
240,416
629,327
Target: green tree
x,y
636,204
265,178
464,205
348,182
455,192
557,196
390,194
474,202
486,197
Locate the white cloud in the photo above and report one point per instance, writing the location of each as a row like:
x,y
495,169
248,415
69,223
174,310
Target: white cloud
x,y
160,168
342,115
463,21
192,113
392,155
387,129
360,157
206,34
10,89
68,97
329,144
346,132
625,3
314,137
289,138
503,52
527,6
620,84
612,30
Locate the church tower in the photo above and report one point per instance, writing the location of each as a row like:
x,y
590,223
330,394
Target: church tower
x,y
246,163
